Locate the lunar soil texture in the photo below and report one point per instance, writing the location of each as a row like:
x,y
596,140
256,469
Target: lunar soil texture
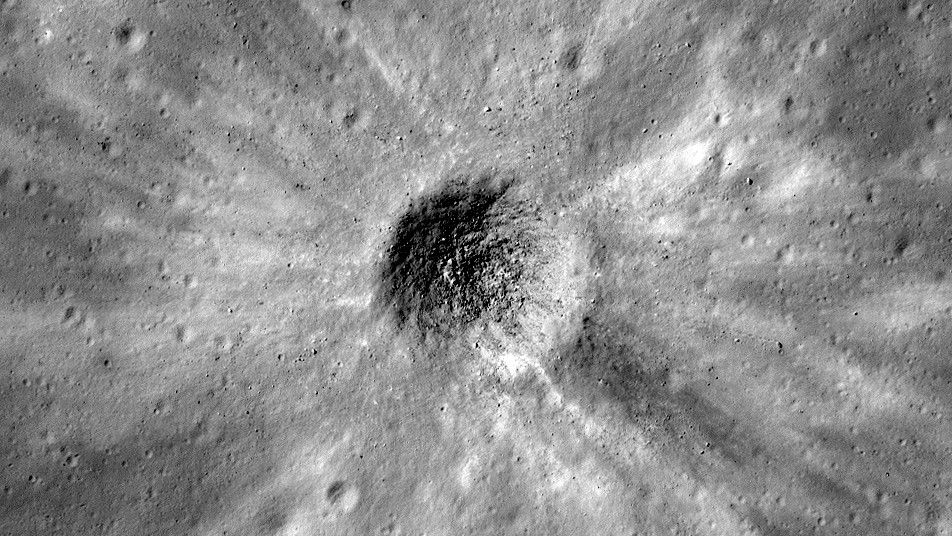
x,y
361,267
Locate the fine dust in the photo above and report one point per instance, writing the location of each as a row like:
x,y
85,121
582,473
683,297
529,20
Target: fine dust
x,y
327,267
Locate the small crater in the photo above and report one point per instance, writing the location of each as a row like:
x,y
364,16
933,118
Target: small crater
x,y
183,334
459,256
342,496
900,245
123,33
335,491
788,105
937,125
110,147
341,36
783,254
351,118
571,58
390,529
480,254
129,37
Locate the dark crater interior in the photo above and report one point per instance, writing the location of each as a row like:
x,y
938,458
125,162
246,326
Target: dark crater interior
x,y
465,254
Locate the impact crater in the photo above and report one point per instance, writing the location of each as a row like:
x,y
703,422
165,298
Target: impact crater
x,y
482,260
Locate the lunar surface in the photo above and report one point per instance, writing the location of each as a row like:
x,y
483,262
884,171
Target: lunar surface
x,y
550,267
